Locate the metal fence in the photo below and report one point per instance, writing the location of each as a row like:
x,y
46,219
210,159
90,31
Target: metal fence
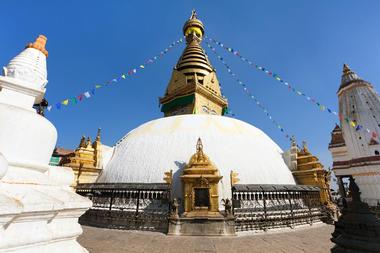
x,y
127,205
262,207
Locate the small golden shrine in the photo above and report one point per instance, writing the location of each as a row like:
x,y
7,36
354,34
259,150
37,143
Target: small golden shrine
x,y
309,171
85,160
200,186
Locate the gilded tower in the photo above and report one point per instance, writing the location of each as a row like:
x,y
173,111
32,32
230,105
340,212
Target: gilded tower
x,y
193,87
308,170
85,160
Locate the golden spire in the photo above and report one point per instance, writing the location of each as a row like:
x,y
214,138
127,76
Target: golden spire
x,y
39,44
193,88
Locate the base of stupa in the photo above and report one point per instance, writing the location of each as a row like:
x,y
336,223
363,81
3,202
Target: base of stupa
x,y
39,211
204,226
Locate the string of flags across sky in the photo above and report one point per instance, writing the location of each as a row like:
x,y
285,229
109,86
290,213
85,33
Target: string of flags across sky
x,y
291,88
91,92
248,92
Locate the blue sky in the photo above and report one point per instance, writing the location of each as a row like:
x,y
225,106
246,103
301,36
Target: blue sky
x,y
306,42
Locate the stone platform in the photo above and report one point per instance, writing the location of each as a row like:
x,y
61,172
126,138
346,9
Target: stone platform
x,y
202,226
311,239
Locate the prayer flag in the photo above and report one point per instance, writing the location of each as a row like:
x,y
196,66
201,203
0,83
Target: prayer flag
x,y
49,108
65,102
123,76
142,66
98,86
87,94
58,105
80,97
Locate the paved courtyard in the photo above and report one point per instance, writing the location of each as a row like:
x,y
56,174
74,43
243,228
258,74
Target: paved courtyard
x,y
311,240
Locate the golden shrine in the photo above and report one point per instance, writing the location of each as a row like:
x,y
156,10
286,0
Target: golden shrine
x,y
309,171
200,185
85,160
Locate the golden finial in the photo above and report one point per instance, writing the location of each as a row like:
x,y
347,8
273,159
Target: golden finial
x,y
304,147
168,178
234,177
98,135
199,145
88,141
39,44
82,142
193,14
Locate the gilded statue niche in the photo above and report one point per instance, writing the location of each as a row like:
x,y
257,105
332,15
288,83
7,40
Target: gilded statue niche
x,y
200,183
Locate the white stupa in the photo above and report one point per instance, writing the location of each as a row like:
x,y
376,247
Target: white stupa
x,y
194,107
147,152
355,144
38,210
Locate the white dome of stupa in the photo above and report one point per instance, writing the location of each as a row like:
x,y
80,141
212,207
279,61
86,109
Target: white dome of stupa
x,y
150,150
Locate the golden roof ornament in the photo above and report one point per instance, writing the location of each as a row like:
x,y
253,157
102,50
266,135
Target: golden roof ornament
x,y
199,158
193,29
304,147
39,44
98,135
88,143
82,142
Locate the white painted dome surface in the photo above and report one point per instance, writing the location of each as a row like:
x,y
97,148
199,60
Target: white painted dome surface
x,y
145,153
3,165
25,136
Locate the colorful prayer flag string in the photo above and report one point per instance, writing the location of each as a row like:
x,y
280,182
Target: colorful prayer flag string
x,y
248,92
89,93
272,74
290,87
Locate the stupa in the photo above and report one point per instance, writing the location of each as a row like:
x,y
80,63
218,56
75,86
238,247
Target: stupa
x,y
38,209
236,181
355,144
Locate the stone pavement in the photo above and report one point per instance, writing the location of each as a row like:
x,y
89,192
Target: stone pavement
x,y
315,239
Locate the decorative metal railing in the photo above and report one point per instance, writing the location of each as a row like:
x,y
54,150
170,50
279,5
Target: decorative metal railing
x,y
127,205
262,207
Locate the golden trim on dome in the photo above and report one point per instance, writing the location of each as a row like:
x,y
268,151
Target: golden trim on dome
x,y
39,44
